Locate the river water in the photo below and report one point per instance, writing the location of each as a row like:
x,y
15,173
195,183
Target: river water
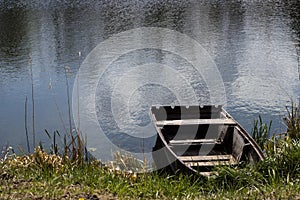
x,y
254,44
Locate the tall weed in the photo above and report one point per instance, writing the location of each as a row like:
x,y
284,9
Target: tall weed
x,y
293,121
261,132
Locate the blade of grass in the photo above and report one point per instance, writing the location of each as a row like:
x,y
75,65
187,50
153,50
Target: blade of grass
x,y
26,128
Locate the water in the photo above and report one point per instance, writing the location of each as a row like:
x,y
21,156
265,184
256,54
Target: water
x,y
253,43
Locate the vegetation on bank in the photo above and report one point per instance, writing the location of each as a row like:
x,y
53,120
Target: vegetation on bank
x,y
48,176
62,175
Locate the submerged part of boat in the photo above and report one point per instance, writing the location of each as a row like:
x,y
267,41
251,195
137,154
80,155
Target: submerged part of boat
x,y
195,139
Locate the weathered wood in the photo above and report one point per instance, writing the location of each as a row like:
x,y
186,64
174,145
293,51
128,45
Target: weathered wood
x,y
196,122
209,164
194,141
207,173
207,158
211,160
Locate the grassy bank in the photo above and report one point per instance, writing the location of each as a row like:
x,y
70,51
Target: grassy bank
x,y
44,176
66,175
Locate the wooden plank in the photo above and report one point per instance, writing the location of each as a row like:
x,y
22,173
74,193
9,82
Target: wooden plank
x,y
207,174
206,161
209,164
207,158
194,141
196,122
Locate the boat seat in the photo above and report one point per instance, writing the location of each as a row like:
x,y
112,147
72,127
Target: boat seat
x,y
208,164
194,142
206,158
209,160
196,122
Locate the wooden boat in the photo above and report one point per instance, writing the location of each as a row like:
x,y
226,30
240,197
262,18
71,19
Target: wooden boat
x,y
195,139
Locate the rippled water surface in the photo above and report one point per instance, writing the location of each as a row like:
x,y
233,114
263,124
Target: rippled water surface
x,y
254,44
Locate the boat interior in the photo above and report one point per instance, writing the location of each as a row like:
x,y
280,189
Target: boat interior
x,y
203,137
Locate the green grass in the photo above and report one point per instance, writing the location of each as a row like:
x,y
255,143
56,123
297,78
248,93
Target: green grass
x,y
44,176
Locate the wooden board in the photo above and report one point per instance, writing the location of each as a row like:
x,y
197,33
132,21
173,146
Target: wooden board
x,y
196,122
209,164
206,158
208,174
211,160
194,141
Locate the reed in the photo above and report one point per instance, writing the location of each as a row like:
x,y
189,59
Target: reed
x,y
261,132
67,71
25,124
78,99
57,107
33,102
297,48
71,149
70,145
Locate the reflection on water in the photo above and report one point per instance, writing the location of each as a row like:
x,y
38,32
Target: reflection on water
x,y
253,44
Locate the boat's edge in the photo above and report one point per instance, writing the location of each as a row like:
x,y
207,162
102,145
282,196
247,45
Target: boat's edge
x,y
247,136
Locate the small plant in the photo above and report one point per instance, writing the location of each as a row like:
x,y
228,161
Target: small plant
x,y
293,121
54,146
72,148
261,132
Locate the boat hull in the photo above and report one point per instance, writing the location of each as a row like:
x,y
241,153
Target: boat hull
x,y
195,139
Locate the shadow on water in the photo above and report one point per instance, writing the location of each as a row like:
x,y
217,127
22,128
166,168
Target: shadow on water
x,y
13,33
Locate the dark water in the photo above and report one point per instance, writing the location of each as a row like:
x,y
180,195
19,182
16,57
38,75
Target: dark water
x,y
253,43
